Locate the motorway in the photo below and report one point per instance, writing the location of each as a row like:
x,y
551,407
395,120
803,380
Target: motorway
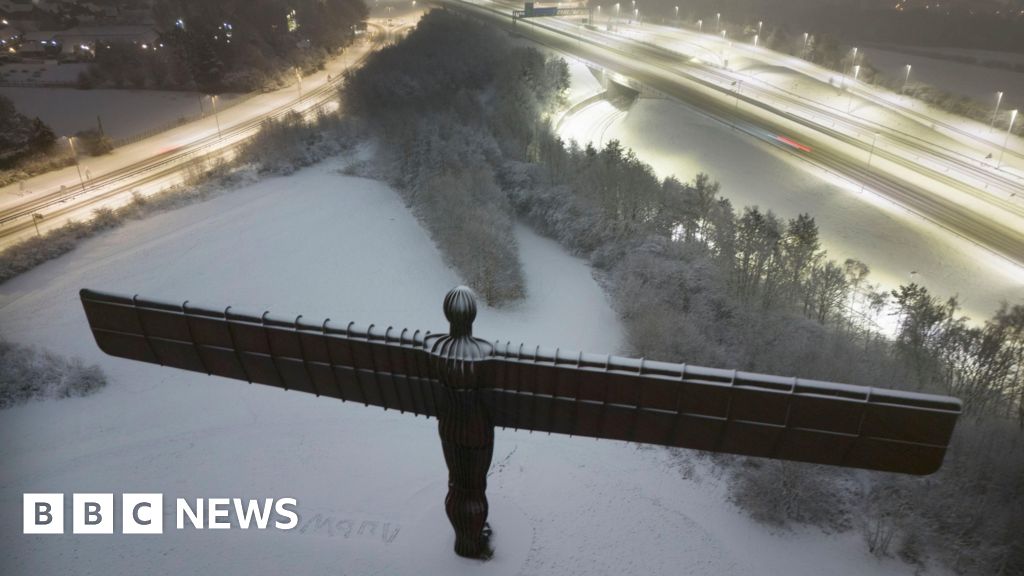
x,y
936,172
165,159
944,145
917,180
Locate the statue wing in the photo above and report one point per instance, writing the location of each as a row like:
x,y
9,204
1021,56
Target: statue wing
x,y
544,390
386,368
719,410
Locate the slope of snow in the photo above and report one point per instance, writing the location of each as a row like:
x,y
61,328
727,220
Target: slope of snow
x,y
369,484
582,82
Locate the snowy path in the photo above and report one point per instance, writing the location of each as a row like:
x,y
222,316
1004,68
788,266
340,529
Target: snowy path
x,y
369,484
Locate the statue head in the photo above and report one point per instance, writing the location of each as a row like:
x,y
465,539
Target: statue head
x,y
460,310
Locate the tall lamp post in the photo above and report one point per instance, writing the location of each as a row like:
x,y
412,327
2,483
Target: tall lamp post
x,y
999,100
216,118
700,26
1013,116
718,21
849,90
74,151
36,219
906,79
871,154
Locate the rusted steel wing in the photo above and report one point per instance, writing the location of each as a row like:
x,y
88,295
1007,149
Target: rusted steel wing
x,y
544,390
719,410
369,365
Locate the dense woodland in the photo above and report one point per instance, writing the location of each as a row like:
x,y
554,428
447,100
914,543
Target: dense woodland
x,y
446,122
698,280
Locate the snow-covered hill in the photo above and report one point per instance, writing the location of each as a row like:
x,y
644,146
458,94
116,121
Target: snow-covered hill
x,y
369,484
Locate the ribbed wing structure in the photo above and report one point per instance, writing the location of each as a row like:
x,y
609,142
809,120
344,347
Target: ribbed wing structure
x,y
720,410
544,390
386,368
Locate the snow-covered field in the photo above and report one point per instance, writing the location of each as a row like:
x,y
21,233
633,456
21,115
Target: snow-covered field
x,y
124,113
973,81
369,484
898,246
42,71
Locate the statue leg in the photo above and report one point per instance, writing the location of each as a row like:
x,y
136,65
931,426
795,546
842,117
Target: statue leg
x,y
467,438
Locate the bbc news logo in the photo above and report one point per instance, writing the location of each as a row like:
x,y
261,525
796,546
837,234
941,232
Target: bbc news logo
x,y
144,513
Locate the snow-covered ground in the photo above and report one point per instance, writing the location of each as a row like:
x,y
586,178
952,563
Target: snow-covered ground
x,y
369,484
971,80
42,71
582,82
898,246
124,113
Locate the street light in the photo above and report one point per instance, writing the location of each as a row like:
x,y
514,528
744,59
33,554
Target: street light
x,y
700,26
216,118
999,98
71,141
760,24
906,79
298,78
755,39
847,68
849,91
1013,116
36,219
807,37
677,12
718,20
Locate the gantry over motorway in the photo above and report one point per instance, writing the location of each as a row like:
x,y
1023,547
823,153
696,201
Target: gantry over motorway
x,y
937,170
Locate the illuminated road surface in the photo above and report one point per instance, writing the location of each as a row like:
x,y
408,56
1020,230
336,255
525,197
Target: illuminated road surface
x,y
166,159
993,220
